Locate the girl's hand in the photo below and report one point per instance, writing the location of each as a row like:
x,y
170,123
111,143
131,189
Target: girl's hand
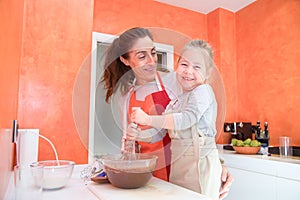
x,y
140,117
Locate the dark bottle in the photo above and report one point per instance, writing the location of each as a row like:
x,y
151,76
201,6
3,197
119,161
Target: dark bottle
x,y
266,130
258,129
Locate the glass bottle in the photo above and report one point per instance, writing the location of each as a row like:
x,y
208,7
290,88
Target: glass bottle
x,y
266,130
258,129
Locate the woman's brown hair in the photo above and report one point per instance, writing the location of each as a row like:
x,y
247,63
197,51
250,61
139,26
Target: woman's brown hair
x,y
116,73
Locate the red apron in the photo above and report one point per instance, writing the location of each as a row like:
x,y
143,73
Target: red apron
x,y
155,104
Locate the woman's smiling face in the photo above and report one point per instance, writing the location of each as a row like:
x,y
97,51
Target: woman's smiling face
x,y
191,69
142,59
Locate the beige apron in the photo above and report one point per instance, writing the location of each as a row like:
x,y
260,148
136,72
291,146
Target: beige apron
x,y
195,161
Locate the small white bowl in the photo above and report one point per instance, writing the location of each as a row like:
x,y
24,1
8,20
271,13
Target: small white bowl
x,y
56,173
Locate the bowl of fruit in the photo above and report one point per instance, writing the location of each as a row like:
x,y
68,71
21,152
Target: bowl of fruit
x,y
247,146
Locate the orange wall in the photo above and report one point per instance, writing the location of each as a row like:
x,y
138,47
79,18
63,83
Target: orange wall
x,y
57,38
118,15
268,73
221,35
11,17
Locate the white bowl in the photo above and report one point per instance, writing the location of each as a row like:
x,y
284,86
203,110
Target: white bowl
x,y
56,174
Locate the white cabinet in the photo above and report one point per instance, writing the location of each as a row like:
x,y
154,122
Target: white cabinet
x,y
263,178
288,189
249,185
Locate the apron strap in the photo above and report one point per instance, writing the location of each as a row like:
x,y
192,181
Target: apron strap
x,y
159,83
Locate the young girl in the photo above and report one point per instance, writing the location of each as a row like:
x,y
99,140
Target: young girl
x,y
191,120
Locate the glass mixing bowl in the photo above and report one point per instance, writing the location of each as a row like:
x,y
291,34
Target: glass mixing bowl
x,y
129,171
56,173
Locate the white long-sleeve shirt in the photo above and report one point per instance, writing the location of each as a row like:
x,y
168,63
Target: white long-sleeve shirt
x,y
197,107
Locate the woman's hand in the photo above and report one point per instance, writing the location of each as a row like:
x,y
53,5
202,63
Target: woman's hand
x,y
227,180
140,117
132,131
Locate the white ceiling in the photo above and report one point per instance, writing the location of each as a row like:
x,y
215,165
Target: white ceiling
x,y
206,6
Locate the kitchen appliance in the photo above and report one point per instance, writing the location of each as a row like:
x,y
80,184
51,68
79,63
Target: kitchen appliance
x,y
239,130
244,130
27,146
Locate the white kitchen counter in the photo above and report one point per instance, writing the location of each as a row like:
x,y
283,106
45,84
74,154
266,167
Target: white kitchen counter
x,y
263,177
77,190
270,165
266,177
155,189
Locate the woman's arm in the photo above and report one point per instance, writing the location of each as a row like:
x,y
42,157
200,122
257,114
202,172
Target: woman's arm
x,y
227,180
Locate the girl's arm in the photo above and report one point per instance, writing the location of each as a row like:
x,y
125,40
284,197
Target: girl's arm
x,y
151,135
159,121
148,135
198,102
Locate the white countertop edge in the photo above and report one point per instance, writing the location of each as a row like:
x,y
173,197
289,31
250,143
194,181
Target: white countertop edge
x,y
269,165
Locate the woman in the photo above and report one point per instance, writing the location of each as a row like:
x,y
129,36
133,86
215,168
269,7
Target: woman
x,y
131,68
131,62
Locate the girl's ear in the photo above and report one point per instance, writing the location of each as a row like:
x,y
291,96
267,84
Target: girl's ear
x,y
123,60
208,72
